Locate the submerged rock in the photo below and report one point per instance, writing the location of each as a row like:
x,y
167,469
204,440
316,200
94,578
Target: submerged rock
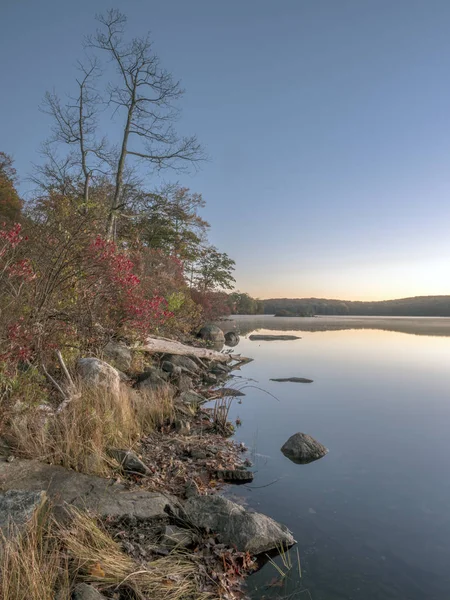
x,y
248,531
270,338
293,380
211,333
301,448
98,373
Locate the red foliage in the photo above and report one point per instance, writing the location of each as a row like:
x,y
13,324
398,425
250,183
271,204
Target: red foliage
x,y
214,304
133,310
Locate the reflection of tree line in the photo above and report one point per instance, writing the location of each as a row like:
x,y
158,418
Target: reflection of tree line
x,y
436,326
420,306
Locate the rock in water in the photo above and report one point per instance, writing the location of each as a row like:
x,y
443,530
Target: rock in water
x,y
212,333
231,339
119,355
248,531
301,448
98,373
293,380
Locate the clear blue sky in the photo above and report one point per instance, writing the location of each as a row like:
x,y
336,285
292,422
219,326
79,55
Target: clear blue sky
x,y
327,123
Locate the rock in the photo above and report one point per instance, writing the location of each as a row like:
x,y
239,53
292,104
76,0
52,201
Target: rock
x,y
211,333
129,461
235,475
174,536
228,392
83,591
118,354
231,339
183,361
219,369
171,368
103,497
192,398
183,426
17,508
293,380
302,448
210,378
98,373
183,382
247,531
156,383
271,338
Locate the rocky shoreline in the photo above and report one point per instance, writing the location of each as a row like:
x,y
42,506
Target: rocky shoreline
x,y
162,499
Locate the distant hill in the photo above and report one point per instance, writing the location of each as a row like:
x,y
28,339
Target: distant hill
x,y
419,306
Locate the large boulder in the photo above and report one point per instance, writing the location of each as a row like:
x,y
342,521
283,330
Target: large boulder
x,y
98,373
301,448
247,531
118,354
17,508
212,333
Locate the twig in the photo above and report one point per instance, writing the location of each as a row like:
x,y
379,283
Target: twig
x,y
55,383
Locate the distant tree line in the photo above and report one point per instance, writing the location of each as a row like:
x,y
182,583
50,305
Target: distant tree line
x,y
419,306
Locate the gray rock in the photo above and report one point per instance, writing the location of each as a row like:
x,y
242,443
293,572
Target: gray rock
x,y
174,536
96,372
118,354
183,361
17,508
212,333
210,378
104,497
156,383
229,393
235,475
301,448
128,461
170,367
219,369
83,591
183,426
192,398
235,526
183,382
271,338
231,339
293,380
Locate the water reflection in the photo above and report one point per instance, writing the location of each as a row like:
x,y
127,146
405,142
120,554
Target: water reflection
x,y
371,517
415,325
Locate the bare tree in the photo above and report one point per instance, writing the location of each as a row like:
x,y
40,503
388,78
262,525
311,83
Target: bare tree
x,y
146,94
75,124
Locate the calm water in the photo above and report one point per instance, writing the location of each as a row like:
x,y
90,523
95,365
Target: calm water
x,y
372,518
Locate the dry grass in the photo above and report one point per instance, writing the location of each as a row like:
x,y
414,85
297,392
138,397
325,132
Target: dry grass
x,y
31,564
98,559
96,419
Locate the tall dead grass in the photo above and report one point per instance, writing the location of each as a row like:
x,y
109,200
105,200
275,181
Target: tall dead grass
x,y
79,436
32,566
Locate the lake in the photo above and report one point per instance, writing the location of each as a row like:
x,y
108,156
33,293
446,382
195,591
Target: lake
x,y
372,518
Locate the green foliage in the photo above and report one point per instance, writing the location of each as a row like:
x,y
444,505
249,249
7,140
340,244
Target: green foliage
x,y
244,304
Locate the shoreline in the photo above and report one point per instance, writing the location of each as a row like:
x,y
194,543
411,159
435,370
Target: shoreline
x,y
183,466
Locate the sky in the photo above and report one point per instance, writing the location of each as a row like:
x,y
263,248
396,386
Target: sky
x,y
326,124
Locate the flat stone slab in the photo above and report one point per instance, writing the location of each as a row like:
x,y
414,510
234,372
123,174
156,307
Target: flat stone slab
x,y
272,338
104,497
293,380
